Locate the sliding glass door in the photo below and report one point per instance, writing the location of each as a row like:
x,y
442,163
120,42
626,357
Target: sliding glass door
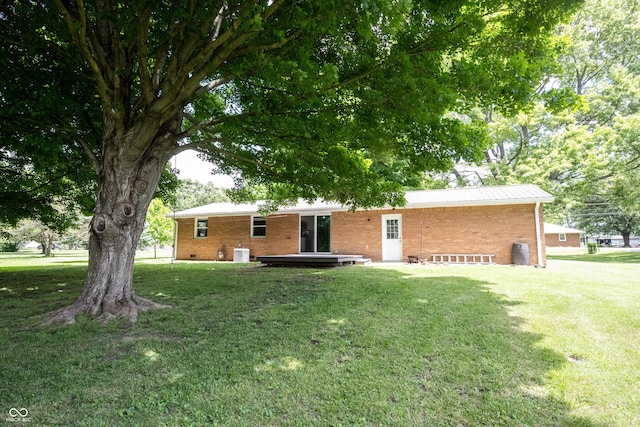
x,y
307,233
315,233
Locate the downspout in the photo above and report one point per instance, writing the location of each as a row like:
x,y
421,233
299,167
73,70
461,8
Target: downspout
x,y
538,238
175,240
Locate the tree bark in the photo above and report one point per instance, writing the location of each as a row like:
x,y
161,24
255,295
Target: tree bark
x,y
126,185
626,239
46,240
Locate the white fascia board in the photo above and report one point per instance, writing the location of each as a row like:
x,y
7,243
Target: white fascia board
x,y
336,208
469,203
487,196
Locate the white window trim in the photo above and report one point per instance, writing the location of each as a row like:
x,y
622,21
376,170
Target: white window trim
x,y
253,236
195,228
562,237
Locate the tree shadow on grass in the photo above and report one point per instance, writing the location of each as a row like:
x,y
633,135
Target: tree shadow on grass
x,y
428,351
28,293
373,347
354,346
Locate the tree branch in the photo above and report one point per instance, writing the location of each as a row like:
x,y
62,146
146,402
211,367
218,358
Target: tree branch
x,y
417,50
92,156
158,66
47,182
208,59
204,146
79,38
143,65
421,48
190,71
86,147
261,48
213,84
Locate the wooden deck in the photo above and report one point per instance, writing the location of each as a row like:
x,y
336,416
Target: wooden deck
x,y
312,260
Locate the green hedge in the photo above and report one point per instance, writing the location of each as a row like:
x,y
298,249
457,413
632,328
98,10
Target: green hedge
x,y
8,246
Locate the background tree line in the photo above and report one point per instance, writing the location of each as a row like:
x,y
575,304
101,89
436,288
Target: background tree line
x,y
580,137
75,233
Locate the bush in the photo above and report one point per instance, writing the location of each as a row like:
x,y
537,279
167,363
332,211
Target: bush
x,y
7,245
592,247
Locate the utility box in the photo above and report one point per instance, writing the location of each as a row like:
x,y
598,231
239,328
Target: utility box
x,y
241,255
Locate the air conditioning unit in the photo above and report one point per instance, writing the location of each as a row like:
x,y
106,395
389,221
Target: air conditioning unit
x,y
241,255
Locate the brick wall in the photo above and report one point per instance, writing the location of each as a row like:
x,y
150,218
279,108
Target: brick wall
x,y
553,240
231,232
484,229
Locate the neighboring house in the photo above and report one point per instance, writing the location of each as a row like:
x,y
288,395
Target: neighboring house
x,y
561,236
482,220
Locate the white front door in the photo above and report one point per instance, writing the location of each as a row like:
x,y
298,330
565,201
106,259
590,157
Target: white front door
x,y
392,237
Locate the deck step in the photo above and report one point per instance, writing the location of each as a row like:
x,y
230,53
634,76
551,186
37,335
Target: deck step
x,y
310,260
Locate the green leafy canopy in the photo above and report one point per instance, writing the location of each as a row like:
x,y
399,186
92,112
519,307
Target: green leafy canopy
x,y
580,141
347,100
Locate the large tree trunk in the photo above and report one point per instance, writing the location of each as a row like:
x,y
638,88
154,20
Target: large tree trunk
x,y
46,248
45,238
626,239
126,185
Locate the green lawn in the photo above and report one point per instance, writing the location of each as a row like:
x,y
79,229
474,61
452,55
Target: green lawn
x,y
365,346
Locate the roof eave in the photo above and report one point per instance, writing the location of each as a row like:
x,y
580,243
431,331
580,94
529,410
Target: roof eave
x,y
525,201
329,209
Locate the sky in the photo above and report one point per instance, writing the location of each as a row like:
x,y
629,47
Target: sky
x,y
191,167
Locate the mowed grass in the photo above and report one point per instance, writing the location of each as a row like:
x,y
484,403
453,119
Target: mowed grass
x,y
393,345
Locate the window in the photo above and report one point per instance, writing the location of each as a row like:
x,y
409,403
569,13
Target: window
x,y
393,229
258,226
323,227
562,237
202,225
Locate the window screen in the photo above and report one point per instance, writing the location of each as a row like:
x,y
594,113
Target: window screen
x,y
201,227
259,226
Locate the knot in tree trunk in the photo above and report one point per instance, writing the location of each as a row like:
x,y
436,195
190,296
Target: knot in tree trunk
x,y
100,223
124,213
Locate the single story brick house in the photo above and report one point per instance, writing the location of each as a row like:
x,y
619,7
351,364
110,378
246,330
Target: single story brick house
x,y
561,236
467,221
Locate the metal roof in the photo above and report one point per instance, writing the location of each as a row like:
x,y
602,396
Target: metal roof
x,y
560,229
475,196
478,196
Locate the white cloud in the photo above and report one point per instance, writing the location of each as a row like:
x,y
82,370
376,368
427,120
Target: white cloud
x,y
192,167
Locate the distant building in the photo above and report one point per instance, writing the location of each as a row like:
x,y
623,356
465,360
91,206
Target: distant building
x,y
561,236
